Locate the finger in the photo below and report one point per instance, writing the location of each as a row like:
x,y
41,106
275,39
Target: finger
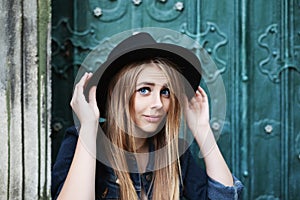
x,y
78,90
198,95
92,95
79,86
83,79
89,76
186,104
194,102
202,92
93,100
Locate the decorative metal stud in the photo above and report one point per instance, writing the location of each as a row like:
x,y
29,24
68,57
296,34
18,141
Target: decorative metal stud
x,y
179,6
273,30
215,126
209,50
137,2
268,129
212,29
57,126
245,173
274,53
163,1
97,12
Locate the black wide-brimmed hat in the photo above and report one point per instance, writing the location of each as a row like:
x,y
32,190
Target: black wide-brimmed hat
x,y
140,47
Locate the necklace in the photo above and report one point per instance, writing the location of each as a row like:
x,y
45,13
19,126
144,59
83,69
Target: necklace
x,y
145,196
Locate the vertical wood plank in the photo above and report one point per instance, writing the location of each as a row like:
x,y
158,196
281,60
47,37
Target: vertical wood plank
x,y
30,100
44,98
4,123
24,101
4,106
13,22
10,101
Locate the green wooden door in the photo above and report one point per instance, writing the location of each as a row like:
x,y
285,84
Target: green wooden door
x,y
256,46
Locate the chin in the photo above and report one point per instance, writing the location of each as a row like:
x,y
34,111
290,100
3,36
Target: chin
x,y
147,130
151,129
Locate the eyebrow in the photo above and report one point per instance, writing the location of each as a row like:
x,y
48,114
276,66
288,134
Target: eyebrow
x,y
145,83
150,83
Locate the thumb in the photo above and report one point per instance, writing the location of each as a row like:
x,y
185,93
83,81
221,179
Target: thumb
x,y
93,100
186,104
92,95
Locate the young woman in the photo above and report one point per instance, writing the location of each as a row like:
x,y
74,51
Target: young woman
x,y
143,91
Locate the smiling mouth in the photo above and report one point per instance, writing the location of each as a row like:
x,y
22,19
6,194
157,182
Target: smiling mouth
x,y
152,118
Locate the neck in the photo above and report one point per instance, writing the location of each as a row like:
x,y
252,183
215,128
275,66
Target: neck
x,y
141,145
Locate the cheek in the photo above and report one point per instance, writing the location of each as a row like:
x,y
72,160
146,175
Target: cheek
x,y
138,105
166,105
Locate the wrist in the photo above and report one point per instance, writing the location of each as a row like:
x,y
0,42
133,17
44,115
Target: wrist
x,y
90,123
205,139
89,128
201,129
88,136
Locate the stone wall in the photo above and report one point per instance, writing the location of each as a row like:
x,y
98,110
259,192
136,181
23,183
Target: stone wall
x,y
25,99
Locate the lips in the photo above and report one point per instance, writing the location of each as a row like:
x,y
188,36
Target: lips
x,y
152,118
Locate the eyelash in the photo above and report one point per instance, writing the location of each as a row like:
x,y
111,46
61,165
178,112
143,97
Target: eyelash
x,y
144,88
149,90
165,90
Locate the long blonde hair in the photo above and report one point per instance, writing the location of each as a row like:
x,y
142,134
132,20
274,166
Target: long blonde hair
x,y
119,127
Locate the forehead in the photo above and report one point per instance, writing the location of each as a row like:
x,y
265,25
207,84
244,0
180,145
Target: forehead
x,y
151,73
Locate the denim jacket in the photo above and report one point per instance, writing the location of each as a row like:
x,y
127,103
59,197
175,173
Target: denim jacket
x,y
196,184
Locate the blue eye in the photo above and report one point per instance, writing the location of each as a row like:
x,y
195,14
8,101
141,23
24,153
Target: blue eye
x,y
144,90
165,92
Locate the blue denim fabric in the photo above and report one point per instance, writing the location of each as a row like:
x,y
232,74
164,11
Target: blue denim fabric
x,y
196,184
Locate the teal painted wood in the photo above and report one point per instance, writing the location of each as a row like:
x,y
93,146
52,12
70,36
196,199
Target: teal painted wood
x,y
256,46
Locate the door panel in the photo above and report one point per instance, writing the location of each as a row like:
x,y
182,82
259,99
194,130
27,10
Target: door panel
x,y
256,47
264,102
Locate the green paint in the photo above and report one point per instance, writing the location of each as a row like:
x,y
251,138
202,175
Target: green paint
x,y
44,17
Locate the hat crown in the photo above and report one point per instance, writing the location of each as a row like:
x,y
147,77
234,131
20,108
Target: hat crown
x,y
135,41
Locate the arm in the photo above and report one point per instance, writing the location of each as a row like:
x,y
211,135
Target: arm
x,y
80,181
197,115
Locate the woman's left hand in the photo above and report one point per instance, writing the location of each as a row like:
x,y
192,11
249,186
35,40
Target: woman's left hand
x,y
197,116
197,111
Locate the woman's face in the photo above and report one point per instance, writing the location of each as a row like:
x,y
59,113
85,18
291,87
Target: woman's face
x,y
151,99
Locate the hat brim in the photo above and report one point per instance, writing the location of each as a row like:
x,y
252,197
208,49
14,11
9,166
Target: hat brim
x,y
189,66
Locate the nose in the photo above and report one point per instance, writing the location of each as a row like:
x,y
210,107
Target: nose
x,y
156,101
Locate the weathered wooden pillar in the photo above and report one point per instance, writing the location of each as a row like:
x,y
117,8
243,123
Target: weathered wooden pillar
x,y
24,99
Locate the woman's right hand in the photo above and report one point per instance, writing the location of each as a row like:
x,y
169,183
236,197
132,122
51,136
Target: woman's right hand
x,y
86,111
80,181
